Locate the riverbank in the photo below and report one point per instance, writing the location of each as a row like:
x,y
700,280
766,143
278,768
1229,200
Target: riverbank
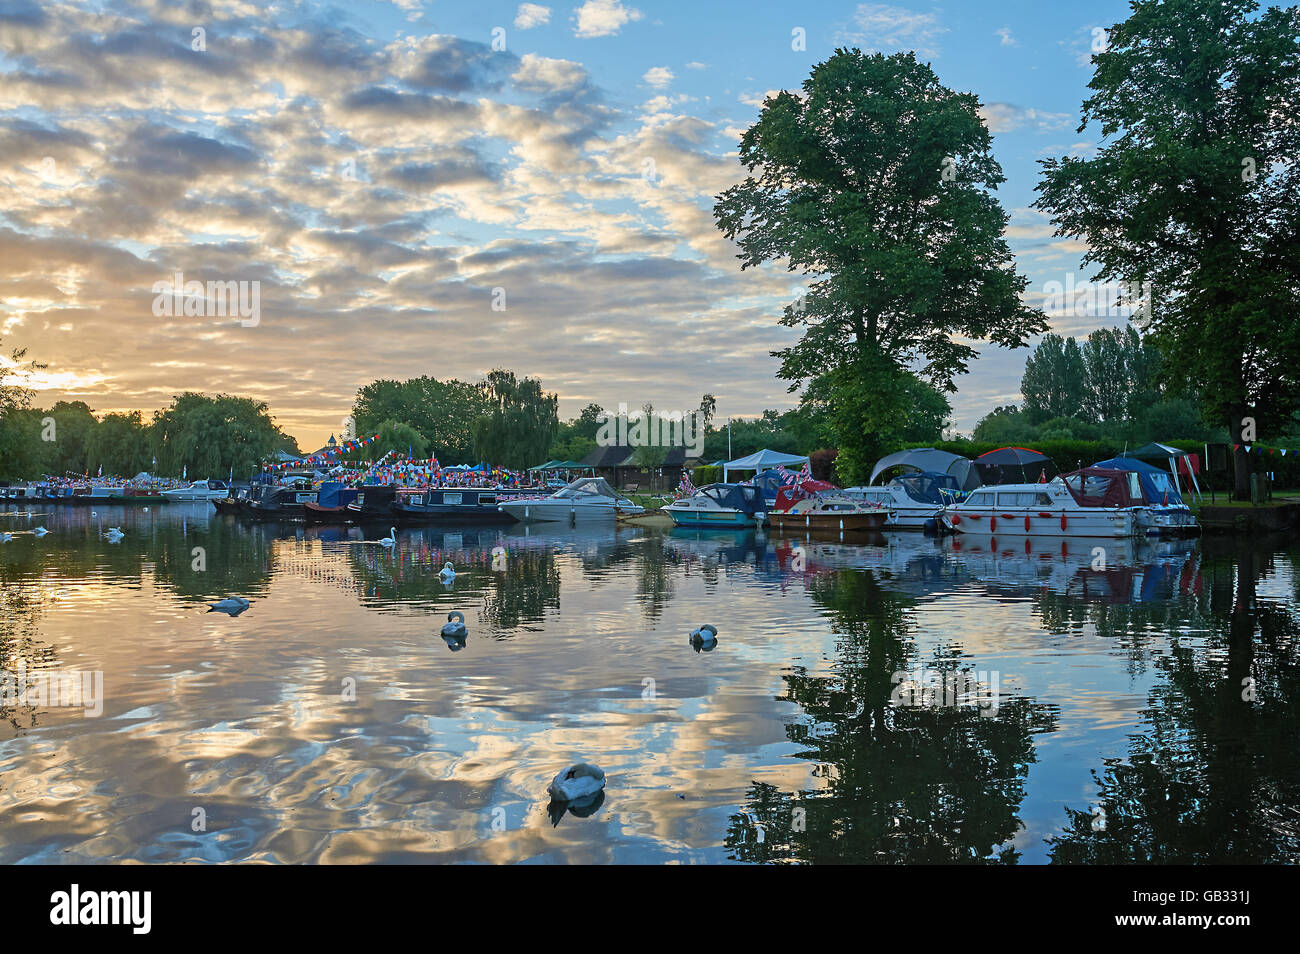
x,y
1236,517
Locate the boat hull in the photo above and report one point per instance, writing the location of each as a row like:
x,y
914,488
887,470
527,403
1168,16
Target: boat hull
x,y
549,511
830,520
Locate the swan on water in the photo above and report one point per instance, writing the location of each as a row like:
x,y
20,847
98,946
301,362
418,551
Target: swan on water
x,y
454,632
577,783
705,638
233,605
448,572
40,532
6,537
391,539
114,534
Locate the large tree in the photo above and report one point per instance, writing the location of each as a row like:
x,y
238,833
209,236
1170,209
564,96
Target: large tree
x,y
1054,383
521,423
1194,197
443,411
877,182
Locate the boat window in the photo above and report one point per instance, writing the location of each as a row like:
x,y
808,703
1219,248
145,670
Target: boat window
x,y
981,500
451,499
1134,486
487,500
1024,498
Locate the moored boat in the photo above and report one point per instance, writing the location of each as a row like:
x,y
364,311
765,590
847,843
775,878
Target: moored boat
x,y
720,505
199,490
586,499
453,505
1092,502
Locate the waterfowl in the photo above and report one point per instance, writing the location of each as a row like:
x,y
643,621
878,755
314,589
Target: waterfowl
x,y
705,638
454,632
577,783
448,572
114,534
391,539
6,537
40,532
234,605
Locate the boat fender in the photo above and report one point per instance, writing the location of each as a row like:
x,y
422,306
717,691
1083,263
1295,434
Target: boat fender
x,y
993,523
1063,520
1026,523
956,519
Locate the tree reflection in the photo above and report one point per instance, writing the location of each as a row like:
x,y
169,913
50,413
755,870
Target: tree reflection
x,y
912,784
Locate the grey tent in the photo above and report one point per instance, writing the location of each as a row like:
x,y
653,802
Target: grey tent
x,y
1169,455
929,459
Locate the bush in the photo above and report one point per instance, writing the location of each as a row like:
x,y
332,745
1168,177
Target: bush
x,y
706,474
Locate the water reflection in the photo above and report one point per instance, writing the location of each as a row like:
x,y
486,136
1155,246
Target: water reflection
x,y
1145,695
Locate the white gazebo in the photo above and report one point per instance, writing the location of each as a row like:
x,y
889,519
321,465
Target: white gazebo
x,y
763,460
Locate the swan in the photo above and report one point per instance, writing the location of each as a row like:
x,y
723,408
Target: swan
x,y
454,632
6,537
114,534
577,783
448,573
234,605
40,532
391,539
705,638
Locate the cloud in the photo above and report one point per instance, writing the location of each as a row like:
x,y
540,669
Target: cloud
x,y
884,28
658,76
1005,34
602,18
532,15
1005,117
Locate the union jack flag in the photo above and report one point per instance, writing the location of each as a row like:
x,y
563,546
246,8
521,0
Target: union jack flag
x,y
685,488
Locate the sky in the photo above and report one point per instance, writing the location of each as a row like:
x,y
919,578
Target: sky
x,y
429,187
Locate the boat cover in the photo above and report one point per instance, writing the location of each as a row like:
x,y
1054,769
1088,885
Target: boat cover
x,y
743,497
1099,487
1156,483
931,488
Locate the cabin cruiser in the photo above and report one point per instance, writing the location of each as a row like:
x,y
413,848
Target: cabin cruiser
x,y
199,490
720,505
915,501
1165,514
586,499
1092,502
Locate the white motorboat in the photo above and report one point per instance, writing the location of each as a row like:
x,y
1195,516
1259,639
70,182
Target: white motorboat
x,y
720,505
584,500
914,500
1092,502
199,490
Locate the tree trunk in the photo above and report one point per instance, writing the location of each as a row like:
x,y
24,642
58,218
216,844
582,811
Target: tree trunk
x,y
1240,459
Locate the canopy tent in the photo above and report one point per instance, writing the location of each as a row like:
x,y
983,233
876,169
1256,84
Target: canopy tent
x,y
1157,486
549,465
1173,457
1014,465
762,460
571,465
931,460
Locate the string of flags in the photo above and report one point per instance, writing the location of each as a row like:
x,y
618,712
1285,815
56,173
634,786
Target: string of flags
x,y
1261,449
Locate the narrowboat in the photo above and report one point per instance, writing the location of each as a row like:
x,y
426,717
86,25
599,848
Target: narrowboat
x,y
331,504
453,505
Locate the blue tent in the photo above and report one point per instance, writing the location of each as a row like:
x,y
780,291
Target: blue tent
x,y
1155,482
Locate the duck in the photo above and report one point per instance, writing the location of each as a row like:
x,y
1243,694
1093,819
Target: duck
x,y
705,638
40,532
114,534
448,572
391,539
233,605
577,783
454,632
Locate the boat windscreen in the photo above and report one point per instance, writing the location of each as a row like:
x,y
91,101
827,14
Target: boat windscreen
x,y
930,487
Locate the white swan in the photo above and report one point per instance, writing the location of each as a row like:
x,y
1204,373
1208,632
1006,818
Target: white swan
x,y
391,539
40,532
577,783
706,637
448,572
6,537
114,534
234,605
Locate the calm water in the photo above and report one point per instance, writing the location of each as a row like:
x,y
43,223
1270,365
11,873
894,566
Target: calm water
x,y
1120,731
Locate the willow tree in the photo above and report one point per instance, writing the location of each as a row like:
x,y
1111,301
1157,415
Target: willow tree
x,y
520,424
876,182
1193,200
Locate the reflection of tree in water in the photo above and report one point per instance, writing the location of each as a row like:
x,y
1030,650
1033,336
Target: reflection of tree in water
x,y
1216,778
523,592
900,784
236,557
656,566
22,598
